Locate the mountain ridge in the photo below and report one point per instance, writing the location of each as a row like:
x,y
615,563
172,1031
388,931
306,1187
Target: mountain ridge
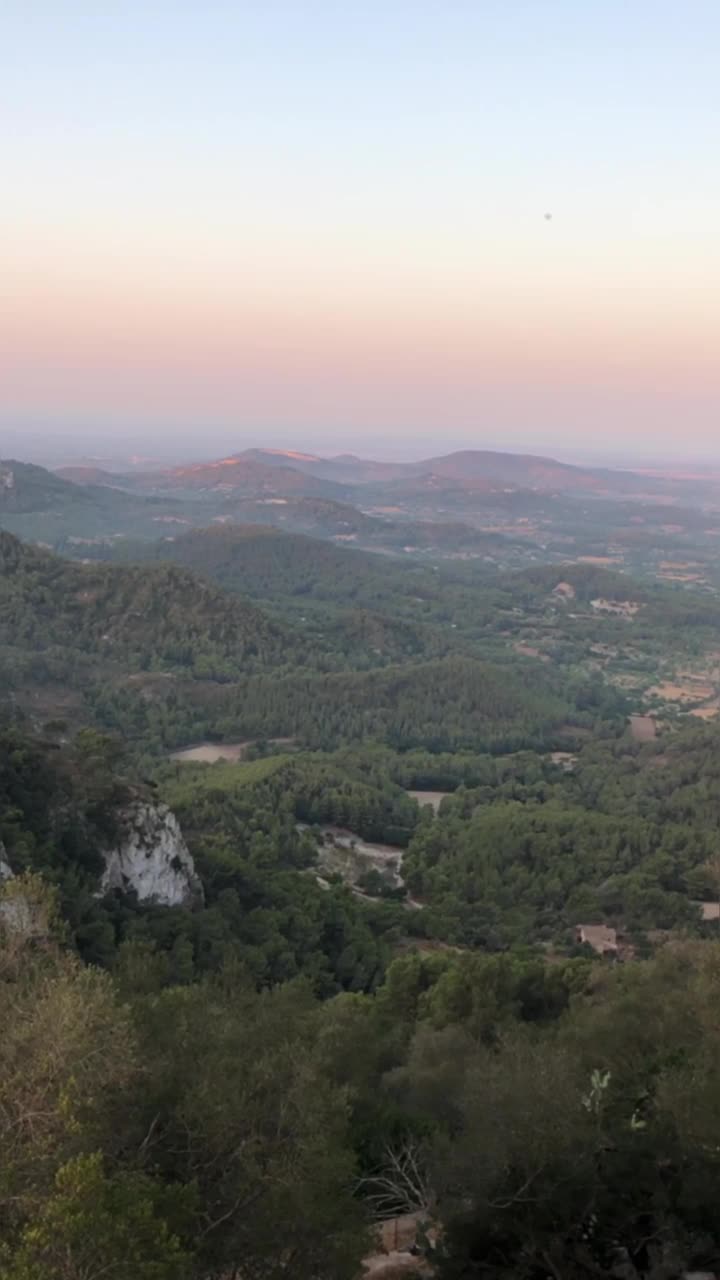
x,y
281,471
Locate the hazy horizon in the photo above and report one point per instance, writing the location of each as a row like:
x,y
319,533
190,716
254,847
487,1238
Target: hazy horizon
x,y
406,227
57,448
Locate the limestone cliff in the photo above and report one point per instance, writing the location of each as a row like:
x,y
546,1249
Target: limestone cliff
x,y
5,868
152,859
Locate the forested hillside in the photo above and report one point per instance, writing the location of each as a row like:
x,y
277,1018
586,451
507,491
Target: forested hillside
x,y
267,1049
158,653
488,510
359,640
444,705
449,704
267,563
57,617
295,572
41,506
432,800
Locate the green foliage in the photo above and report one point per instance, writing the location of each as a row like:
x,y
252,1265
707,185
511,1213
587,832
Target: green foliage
x,y
199,1109
483,707
625,837
249,1120
183,1135
160,656
59,809
190,1094
95,1225
226,1091
146,619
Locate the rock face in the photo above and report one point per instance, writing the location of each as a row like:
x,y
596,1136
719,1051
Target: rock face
x,y
153,860
6,871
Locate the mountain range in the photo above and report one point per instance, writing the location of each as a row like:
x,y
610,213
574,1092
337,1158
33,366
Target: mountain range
x,y
501,508
283,472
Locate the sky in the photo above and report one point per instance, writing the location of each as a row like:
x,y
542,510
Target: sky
x,y
324,224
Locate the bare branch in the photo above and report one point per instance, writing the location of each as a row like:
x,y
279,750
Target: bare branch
x,y
399,1186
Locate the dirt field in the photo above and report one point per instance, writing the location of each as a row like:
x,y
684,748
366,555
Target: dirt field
x,y
602,560
210,752
433,798
566,759
529,651
708,711
691,690
621,608
643,728
672,565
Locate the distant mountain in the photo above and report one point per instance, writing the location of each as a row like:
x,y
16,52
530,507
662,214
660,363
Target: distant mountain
x,y
432,507
474,469
286,473
344,469
524,470
487,469
323,517
25,487
93,475
41,506
339,521
280,457
236,475
85,506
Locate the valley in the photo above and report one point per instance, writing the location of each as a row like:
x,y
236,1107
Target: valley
x,y
359,641
352,781
505,510
234,645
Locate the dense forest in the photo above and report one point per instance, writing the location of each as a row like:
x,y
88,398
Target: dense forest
x,y
422,609
142,618
434,785
163,1127
163,656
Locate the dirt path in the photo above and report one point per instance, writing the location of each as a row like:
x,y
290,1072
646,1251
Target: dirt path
x,y
210,752
346,854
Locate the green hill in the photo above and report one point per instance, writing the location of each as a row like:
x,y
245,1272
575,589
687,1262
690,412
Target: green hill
x,y
40,506
25,488
143,618
448,704
267,563
325,518
353,604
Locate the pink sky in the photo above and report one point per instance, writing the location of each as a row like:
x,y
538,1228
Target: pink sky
x,y
337,225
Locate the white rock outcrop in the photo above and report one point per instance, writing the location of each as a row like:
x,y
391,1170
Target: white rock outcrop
x,y
152,859
6,871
